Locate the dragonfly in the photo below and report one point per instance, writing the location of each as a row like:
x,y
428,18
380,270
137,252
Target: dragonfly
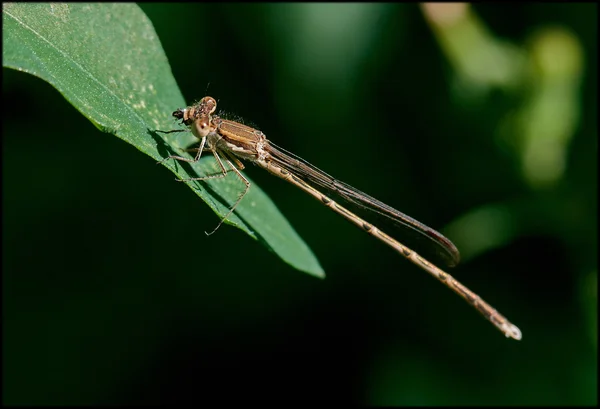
x,y
231,142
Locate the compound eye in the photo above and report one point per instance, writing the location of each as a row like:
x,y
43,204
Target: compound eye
x,y
202,127
209,104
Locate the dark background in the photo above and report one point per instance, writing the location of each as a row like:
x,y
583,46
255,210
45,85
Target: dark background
x,y
94,310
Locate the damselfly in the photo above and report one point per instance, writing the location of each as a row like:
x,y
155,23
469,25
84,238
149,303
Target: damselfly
x,y
231,141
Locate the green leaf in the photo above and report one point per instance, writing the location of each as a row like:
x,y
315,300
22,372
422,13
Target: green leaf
x,y
107,61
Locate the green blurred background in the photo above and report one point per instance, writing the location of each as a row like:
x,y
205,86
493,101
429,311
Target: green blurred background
x,y
478,121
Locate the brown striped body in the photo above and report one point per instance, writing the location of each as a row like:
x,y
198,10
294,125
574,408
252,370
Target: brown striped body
x,y
231,141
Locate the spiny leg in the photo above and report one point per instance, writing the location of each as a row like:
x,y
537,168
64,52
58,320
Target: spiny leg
x,y
172,157
224,172
181,158
219,175
246,182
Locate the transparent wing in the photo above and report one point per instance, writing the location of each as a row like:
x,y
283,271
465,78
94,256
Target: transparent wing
x,y
414,234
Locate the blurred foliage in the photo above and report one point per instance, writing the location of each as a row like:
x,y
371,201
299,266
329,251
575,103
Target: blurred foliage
x,y
478,120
